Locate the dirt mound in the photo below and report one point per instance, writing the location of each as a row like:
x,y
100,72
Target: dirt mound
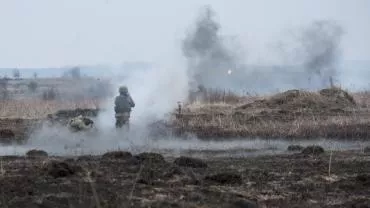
x,y
313,150
190,162
150,157
337,94
367,149
152,171
331,99
364,179
37,153
295,148
243,203
117,155
258,175
225,178
173,171
59,169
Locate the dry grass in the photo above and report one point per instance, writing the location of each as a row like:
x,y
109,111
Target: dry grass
x,y
214,96
35,108
221,117
363,99
301,127
262,119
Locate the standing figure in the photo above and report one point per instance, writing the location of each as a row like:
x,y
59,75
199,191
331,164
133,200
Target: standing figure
x,y
123,104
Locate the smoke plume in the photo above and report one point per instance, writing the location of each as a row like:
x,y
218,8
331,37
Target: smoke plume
x,y
321,49
316,50
211,61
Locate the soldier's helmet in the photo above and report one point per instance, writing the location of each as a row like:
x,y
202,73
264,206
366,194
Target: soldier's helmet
x,y
123,90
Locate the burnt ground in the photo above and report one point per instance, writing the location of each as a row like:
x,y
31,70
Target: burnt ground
x,y
121,179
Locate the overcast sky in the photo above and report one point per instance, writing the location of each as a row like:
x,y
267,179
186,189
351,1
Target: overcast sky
x,y
52,33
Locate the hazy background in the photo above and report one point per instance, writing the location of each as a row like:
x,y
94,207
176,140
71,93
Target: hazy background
x,y
267,45
42,33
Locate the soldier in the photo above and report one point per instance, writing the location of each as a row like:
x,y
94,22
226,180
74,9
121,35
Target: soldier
x,y
123,104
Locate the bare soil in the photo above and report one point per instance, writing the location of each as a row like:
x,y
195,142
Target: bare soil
x,y
122,179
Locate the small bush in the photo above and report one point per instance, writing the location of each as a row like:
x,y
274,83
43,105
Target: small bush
x,y
59,169
32,86
49,94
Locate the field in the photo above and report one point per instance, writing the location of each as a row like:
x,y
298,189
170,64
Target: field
x,y
329,113
119,179
297,176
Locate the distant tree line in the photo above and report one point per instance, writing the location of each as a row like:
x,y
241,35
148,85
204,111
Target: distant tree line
x,y
74,73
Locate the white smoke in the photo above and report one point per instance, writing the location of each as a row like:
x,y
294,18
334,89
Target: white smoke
x,y
155,92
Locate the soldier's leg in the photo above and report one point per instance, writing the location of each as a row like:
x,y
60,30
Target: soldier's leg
x,y
118,122
127,125
127,120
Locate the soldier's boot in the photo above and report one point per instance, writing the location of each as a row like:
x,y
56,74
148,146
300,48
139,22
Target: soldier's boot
x,y
119,123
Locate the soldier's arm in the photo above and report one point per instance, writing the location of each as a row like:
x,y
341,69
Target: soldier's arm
x,y
116,101
132,101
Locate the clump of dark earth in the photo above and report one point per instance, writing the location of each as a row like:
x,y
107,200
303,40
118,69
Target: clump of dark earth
x,y
364,179
190,162
295,148
59,169
357,203
367,150
117,155
149,174
172,171
313,150
86,158
258,175
36,153
150,157
243,203
153,167
166,204
224,178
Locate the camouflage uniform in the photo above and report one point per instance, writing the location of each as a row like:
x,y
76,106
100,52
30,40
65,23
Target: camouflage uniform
x,y
123,104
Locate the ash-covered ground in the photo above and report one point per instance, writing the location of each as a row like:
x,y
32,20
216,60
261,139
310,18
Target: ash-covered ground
x,y
301,176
